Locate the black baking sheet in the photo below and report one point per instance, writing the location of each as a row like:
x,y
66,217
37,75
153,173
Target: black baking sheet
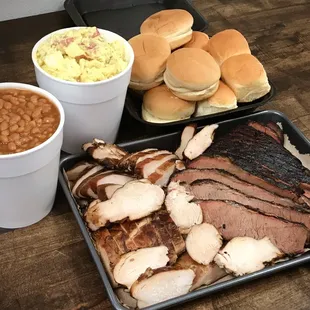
x,y
134,104
124,17
170,142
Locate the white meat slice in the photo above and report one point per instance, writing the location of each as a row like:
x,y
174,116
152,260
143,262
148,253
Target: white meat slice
x,y
148,166
125,298
115,178
88,188
106,191
162,174
200,142
104,153
75,172
184,213
136,199
89,173
204,274
156,286
151,155
243,255
133,264
111,189
187,135
203,242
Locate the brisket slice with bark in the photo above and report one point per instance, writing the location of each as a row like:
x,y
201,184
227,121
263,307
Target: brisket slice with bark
x,y
260,155
190,175
236,220
268,130
211,190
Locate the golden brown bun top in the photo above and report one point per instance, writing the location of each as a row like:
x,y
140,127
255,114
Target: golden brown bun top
x,y
161,103
151,53
224,97
193,66
199,40
227,43
168,22
243,70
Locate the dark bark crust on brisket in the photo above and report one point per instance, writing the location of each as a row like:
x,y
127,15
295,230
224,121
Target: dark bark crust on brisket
x,y
261,156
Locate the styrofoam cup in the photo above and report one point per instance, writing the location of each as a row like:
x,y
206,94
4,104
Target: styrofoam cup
x,y
93,110
28,180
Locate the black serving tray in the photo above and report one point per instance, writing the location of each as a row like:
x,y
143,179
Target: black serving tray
x,y
124,17
170,142
134,104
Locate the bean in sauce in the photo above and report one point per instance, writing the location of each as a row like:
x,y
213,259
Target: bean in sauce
x,y
27,119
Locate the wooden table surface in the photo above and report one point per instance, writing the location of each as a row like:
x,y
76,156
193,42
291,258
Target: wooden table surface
x,y
47,265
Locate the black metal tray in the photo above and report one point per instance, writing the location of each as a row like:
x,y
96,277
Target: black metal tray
x,y
134,104
170,142
125,16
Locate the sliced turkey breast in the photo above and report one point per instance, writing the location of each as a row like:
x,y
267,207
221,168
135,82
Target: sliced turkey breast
x,y
243,255
149,165
136,199
187,134
203,243
78,170
184,213
91,172
156,286
162,174
200,142
133,264
106,191
204,274
108,155
128,162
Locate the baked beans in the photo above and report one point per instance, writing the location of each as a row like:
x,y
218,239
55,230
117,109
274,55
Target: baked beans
x,y
27,119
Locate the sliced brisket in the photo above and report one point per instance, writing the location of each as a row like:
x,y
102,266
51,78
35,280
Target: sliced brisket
x,y
278,131
260,155
211,190
235,220
266,130
191,175
234,167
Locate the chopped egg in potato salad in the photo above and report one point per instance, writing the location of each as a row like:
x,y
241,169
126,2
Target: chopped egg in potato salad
x,y
81,55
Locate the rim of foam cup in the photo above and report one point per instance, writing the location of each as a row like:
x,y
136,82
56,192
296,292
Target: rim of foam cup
x,y
102,32
49,96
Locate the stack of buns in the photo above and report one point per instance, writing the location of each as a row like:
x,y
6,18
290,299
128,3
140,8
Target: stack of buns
x,y
201,75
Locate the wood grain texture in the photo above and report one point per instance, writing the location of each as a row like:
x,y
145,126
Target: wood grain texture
x,y
47,265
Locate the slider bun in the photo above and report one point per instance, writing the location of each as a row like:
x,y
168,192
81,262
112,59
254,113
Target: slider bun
x,y
224,99
174,25
246,76
199,40
192,74
151,53
161,106
226,44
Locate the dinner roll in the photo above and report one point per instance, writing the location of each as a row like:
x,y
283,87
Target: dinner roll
x,y
174,25
192,74
161,106
151,54
227,43
199,40
224,99
246,76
